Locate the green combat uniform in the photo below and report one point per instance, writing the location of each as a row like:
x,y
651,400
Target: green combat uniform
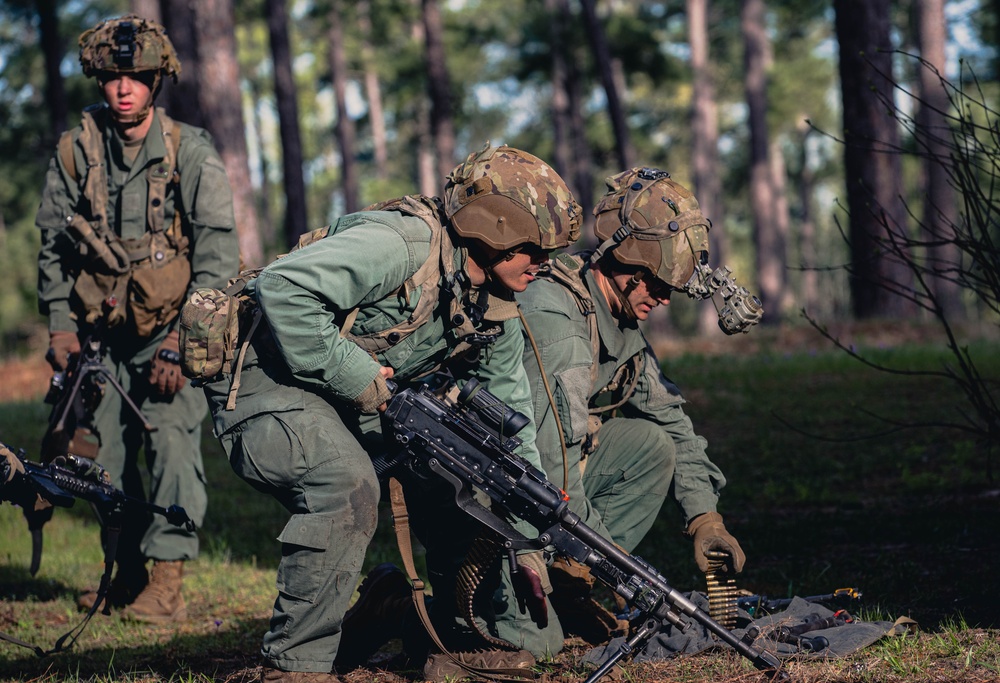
x,y
197,207
648,453
420,288
304,429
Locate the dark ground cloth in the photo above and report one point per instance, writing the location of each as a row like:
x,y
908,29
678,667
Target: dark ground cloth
x,y
843,639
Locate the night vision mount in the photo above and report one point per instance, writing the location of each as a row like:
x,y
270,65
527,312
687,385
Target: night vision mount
x,y
740,310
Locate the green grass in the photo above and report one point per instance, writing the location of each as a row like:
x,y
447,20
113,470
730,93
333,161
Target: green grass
x,y
822,493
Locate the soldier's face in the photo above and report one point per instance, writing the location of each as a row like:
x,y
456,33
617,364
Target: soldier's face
x,y
645,296
126,94
520,268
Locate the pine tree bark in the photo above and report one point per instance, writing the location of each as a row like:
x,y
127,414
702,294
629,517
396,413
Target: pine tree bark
x,y
373,91
769,242
53,52
439,89
181,99
344,129
871,165
221,100
286,101
616,110
705,147
940,214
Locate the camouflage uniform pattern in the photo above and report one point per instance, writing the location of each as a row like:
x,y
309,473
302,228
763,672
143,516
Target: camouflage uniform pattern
x,y
486,196
153,50
666,243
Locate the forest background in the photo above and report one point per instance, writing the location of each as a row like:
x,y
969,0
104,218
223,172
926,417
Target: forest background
x,y
322,107
845,150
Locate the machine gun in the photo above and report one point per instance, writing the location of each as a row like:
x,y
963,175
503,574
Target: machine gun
x,y
470,442
59,483
74,395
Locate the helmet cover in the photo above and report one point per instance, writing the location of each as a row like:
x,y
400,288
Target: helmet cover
x,y
656,223
128,44
505,197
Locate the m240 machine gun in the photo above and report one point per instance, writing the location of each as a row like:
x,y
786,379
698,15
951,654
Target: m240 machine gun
x,y
470,442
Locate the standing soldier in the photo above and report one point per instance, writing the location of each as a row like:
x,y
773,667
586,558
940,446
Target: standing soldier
x,y
137,212
610,427
399,291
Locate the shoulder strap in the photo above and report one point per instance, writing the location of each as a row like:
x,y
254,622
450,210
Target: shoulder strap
x,y
67,156
161,175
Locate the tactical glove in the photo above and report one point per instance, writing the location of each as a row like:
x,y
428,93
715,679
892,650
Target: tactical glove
x,y
531,585
579,613
63,346
165,370
375,395
14,465
709,533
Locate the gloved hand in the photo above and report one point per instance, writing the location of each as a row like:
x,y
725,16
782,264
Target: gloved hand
x,y
63,345
165,370
709,533
14,464
531,585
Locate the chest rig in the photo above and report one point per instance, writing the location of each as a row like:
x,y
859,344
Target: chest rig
x,y
147,276
473,323
567,270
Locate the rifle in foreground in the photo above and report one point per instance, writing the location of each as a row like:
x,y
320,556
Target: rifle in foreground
x,y
37,487
74,395
470,442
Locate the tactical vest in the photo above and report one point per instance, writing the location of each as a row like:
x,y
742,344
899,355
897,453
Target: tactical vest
x,y
149,275
216,327
567,270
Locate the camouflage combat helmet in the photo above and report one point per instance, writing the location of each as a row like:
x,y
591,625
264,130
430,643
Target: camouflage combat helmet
x,y
647,220
128,44
505,197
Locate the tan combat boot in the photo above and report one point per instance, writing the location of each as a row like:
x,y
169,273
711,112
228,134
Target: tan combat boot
x,y
518,665
161,602
125,587
579,613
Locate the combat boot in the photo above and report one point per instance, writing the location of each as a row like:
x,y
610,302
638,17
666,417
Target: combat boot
x,y
127,584
161,602
440,668
579,613
377,616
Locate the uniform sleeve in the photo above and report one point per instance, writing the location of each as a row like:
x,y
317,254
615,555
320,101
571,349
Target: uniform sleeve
x,y
207,202
306,295
697,480
565,349
59,198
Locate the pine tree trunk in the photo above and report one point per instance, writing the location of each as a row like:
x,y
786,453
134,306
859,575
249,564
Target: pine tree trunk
x,y
940,214
373,91
705,148
768,240
344,128
616,110
871,165
53,51
286,100
181,99
221,100
439,89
